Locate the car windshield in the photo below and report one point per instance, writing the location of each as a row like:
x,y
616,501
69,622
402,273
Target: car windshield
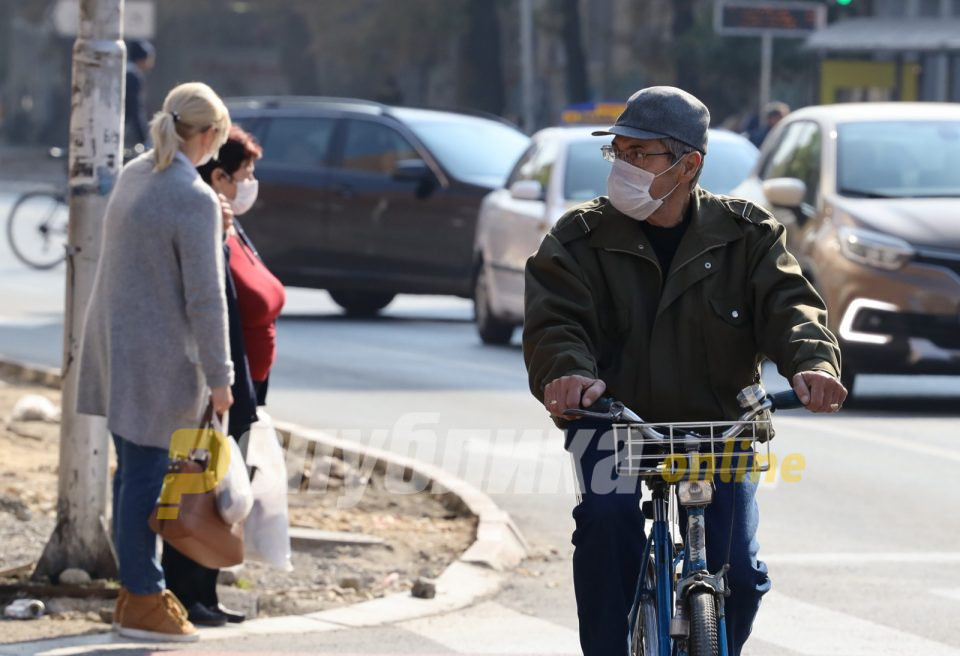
x,y
728,163
473,149
898,159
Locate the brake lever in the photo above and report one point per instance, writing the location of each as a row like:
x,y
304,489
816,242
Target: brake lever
x,y
616,413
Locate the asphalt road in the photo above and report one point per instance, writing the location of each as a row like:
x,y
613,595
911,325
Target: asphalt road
x,y
863,549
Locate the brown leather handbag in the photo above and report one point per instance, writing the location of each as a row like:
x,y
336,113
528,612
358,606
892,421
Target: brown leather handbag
x,y
198,531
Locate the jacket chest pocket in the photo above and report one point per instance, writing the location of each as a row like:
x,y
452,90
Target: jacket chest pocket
x,y
731,311
730,342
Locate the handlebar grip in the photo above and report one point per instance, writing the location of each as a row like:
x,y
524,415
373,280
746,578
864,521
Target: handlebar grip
x,y
787,400
602,404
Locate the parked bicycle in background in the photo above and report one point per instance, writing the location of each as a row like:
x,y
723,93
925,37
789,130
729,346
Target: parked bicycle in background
x,y
38,221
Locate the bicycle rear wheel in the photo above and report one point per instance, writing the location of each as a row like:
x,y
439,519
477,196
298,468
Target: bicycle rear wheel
x,y
703,624
37,229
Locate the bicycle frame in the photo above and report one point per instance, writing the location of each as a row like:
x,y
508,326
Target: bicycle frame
x,y
665,562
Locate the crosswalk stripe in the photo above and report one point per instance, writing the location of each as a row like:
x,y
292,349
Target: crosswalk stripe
x,y
491,628
805,628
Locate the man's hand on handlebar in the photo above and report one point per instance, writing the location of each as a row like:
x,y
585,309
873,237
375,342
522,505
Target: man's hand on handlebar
x,y
819,391
568,392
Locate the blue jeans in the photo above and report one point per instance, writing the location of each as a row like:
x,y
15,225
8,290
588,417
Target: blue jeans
x,y
609,539
136,488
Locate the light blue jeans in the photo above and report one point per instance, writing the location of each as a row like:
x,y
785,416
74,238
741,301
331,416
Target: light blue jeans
x,y
136,488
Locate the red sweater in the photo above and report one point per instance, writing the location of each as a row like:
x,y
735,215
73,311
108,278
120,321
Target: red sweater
x,y
260,297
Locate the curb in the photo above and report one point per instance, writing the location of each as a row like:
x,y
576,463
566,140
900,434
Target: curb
x,y
478,572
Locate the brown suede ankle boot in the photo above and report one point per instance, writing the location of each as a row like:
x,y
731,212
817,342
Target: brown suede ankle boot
x,y
159,617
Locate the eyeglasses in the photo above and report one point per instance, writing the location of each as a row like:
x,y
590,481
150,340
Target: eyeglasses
x,y
632,156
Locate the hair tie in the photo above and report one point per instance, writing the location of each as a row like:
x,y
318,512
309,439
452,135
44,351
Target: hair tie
x,y
176,117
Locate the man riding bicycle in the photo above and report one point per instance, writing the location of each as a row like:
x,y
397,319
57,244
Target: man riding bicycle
x,y
666,297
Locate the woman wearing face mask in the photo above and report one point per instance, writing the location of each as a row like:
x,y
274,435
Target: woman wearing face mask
x,y
254,300
155,345
260,295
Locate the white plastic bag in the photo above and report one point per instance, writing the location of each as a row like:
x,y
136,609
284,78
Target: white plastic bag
x,y
234,494
266,531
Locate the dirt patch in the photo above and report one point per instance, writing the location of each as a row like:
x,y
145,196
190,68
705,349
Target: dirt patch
x,y
421,534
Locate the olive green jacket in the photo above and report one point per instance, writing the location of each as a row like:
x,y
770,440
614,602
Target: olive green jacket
x,y
681,349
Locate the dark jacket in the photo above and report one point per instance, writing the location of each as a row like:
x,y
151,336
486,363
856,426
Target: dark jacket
x,y
135,112
678,350
243,412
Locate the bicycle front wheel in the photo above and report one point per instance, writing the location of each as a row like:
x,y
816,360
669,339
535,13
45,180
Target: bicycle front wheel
x,y
703,624
645,640
37,229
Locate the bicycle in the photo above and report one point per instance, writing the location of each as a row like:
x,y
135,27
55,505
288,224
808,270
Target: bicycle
x,y
37,228
682,614
37,223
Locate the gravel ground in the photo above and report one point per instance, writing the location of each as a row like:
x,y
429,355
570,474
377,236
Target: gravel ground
x,y
421,536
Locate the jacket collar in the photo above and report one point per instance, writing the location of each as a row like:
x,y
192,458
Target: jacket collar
x,y
710,226
183,161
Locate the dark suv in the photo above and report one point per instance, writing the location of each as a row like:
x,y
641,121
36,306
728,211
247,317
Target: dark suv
x,y
368,201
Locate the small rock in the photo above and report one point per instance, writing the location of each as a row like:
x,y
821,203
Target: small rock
x,y
106,615
351,583
424,588
23,514
74,576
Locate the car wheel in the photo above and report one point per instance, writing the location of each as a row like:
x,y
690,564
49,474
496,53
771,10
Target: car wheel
x,y
361,304
492,330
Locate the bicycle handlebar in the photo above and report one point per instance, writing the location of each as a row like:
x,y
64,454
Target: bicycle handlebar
x,y
609,409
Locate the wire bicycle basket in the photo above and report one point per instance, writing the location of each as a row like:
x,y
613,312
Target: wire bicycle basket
x,y
694,450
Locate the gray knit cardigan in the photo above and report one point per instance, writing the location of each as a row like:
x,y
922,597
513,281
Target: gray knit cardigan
x,y
155,335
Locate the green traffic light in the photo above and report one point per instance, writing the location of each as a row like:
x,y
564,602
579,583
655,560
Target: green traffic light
x,y
844,3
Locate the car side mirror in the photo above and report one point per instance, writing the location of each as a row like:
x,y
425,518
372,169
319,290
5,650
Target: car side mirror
x,y
411,170
527,190
785,192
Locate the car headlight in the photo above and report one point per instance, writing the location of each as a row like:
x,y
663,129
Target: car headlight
x,y
695,493
873,248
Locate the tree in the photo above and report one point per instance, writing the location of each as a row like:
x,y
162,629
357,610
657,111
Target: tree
x,y
578,81
480,80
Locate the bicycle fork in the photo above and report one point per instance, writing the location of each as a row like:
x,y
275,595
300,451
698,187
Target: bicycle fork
x,y
695,576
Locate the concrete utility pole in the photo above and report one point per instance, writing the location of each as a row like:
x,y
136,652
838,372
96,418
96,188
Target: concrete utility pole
x,y
81,537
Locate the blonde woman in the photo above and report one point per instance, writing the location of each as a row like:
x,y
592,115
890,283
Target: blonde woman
x,y
155,348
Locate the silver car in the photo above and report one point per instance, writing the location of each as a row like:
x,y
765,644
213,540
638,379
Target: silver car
x,y
561,168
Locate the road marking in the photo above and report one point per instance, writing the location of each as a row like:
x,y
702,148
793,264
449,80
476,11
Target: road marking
x,y
897,443
491,628
865,558
804,628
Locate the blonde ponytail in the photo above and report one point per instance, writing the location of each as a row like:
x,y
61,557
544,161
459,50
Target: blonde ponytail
x,y
189,109
166,141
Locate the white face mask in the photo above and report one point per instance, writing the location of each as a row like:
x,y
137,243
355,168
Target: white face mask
x,y
629,190
247,191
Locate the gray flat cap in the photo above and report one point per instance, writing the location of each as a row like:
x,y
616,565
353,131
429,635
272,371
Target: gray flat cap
x,y
658,112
